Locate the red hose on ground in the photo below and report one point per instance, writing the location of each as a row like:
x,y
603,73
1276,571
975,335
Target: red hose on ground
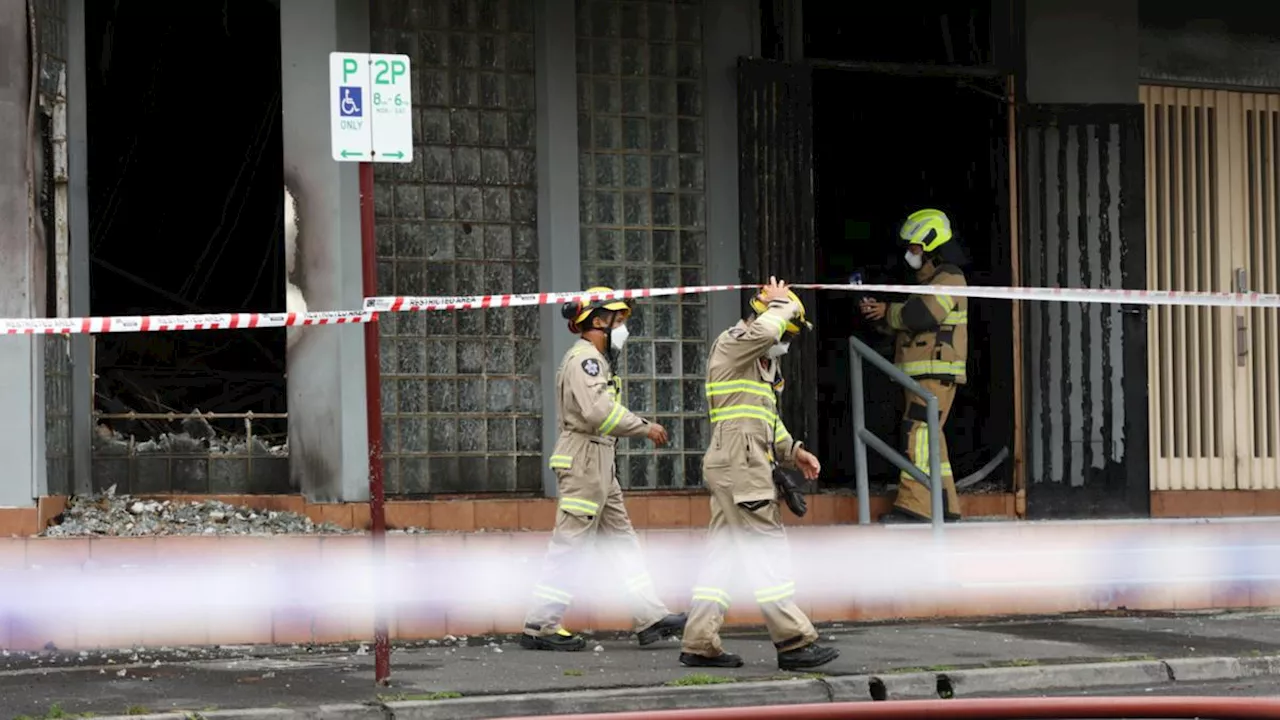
x,y
1162,708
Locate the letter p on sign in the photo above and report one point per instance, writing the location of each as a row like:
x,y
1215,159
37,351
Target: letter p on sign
x,y
349,67
397,69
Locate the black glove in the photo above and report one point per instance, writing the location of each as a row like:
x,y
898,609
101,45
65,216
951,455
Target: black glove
x,y
790,492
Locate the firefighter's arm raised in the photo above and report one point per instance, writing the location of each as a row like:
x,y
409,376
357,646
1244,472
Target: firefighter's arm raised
x,y
597,400
878,313
766,329
921,313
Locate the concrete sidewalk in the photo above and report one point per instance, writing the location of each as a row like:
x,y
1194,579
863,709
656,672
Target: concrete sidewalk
x,y
493,677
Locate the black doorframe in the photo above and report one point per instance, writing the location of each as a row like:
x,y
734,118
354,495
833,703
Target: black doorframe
x,y
775,204
777,188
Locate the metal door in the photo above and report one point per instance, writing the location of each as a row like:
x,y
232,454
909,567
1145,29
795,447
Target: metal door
x,y
775,190
1213,196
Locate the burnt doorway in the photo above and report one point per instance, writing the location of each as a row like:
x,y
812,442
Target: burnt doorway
x,y
884,146
185,175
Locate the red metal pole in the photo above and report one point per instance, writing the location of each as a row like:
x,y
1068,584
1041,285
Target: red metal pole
x,y
373,404
1076,708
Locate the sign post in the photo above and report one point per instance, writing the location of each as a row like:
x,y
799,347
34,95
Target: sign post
x,y
371,120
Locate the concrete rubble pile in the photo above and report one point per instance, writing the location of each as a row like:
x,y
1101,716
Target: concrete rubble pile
x,y
112,515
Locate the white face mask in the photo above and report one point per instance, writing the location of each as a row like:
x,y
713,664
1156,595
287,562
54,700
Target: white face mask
x,y
914,260
618,337
777,350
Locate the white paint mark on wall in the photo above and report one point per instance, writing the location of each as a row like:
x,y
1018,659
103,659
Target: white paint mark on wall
x,y
295,300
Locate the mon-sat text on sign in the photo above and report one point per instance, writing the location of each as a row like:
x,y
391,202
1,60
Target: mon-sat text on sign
x,y
370,107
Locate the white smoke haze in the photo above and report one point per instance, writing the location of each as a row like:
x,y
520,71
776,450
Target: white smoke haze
x,y
1005,568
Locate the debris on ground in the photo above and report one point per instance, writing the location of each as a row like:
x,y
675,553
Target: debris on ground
x,y
197,437
109,514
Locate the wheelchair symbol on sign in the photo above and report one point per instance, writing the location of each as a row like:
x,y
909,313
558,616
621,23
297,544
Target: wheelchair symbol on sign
x,y
349,105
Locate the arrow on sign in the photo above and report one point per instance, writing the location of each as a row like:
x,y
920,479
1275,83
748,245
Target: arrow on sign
x,y
348,153
397,154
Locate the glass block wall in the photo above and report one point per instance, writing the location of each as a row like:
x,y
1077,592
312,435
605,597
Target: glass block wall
x,y
641,143
461,392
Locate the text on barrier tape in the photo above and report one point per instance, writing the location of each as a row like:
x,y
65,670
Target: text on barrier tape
x,y
168,323
475,302
1125,297
375,305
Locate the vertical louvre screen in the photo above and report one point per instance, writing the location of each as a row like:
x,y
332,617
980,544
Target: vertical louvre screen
x,y
1191,429
1262,135
1083,206
775,141
1213,192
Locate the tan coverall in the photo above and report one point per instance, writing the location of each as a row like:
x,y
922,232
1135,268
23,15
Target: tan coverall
x,y
932,340
591,419
746,525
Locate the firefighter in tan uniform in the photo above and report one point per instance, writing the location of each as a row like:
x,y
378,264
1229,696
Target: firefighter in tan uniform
x,y
591,420
747,440
931,342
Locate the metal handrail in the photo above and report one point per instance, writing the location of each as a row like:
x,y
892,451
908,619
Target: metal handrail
x,y
862,437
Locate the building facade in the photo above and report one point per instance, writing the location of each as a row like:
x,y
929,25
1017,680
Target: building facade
x,y
562,144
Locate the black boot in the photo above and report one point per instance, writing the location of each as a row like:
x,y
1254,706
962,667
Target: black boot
x,y
723,660
810,656
563,641
672,624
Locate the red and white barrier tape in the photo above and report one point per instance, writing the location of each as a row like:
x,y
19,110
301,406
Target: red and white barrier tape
x,y
1126,297
375,305
474,302
1083,295
167,323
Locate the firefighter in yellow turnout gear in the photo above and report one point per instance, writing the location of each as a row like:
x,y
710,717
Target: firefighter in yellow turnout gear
x,y
931,343
746,533
591,420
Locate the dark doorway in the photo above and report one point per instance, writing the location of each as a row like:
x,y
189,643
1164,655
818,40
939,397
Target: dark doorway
x,y
886,145
185,200
922,32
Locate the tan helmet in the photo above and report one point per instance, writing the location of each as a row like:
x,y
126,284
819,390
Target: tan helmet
x,y
578,312
759,305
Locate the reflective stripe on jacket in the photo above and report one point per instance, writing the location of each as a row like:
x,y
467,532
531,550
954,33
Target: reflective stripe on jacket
x,y
932,331
746,430
588,405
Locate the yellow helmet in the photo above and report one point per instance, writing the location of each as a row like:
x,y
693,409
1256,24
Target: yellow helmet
x,y
927,228
577,312
759,305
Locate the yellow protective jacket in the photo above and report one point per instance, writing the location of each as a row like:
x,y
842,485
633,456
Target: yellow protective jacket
x,y
932,331
747,434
